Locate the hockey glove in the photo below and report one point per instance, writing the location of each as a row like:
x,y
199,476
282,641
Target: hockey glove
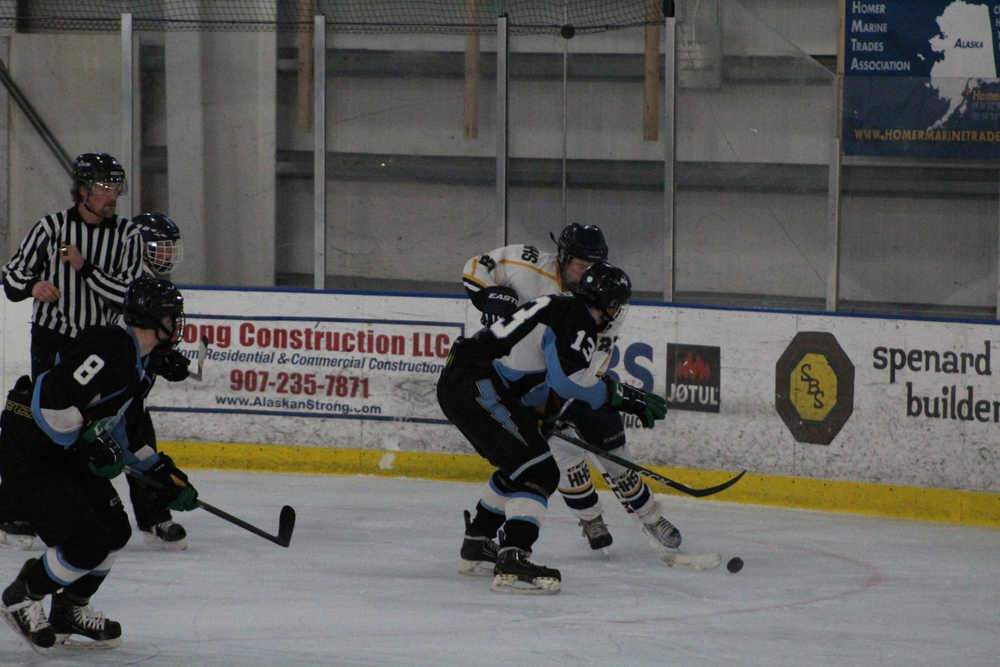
x,y
647,407
105,457
496,303
169,364
172,485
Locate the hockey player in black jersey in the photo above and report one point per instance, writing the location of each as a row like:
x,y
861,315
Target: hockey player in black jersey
x,y
162,250
63,440
494,388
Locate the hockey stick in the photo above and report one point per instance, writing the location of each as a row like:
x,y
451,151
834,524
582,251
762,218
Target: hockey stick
x,y
691,491
681,561
202,352
286,519
286,523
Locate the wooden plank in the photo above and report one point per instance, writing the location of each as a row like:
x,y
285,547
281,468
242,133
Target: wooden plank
x,y
304,44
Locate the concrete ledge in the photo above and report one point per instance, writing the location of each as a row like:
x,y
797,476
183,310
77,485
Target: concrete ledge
x,y
901,502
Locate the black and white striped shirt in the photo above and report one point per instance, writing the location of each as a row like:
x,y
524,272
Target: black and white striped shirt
x,y
112,252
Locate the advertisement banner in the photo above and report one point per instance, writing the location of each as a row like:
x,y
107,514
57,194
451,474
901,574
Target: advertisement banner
x,y
920,78
336,368
908,402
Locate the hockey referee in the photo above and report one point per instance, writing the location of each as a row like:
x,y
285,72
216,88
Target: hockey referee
x,y
77,263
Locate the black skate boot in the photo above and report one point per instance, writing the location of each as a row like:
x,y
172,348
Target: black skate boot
x,y
70,619
596,532
26,615
166,535
514,573
479,553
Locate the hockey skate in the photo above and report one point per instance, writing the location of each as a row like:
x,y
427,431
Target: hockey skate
x,y
596,532
514,573
27,616
16,535
479,553
167,535
68,619
664,532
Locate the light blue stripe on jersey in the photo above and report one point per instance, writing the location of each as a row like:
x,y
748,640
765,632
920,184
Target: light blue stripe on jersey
x,y
70,420
595,395
490,401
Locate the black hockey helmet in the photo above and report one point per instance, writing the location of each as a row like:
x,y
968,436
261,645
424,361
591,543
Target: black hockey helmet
x,y
607,288
148,300
582,241
162,248
94,168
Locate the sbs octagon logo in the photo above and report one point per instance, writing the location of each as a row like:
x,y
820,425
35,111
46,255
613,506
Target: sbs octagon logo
x,y
814,387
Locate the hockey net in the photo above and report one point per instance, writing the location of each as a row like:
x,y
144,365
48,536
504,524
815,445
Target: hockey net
x,y
361,16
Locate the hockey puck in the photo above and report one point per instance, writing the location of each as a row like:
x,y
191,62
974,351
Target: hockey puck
x,y
735,564
567,31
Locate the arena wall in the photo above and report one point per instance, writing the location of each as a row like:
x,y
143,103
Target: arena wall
x,y
848,413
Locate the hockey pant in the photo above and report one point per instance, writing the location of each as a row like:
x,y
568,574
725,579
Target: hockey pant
x,y
506,435
605,428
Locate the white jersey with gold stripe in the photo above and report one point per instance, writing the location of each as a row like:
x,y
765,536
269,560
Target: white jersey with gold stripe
x,y
531,273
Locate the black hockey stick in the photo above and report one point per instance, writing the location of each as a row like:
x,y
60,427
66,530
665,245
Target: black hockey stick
x,y
697,493
286,523
286,520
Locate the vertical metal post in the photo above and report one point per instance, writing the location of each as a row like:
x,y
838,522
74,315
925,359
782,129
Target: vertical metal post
x,y
833,181
833,224
502,108
997,293
669,152
565,115
127,108
319,152
5,230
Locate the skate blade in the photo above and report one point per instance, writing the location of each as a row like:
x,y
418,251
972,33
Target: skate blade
x,y
476,568
697,562
156,543
509,583
69,642
9,618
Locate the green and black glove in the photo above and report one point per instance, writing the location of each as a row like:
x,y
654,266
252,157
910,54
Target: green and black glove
x,y
105,457
647,407
173,485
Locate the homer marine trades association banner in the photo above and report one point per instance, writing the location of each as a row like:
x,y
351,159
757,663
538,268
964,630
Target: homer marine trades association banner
x,y
920,78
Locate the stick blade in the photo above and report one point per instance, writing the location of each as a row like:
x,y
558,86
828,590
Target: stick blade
x,y
286,524
697,562
701,493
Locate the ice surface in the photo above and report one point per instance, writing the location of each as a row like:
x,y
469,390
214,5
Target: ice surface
x,y
371,579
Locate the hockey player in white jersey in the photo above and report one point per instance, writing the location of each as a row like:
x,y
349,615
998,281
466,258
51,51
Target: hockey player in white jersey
x,y
497,282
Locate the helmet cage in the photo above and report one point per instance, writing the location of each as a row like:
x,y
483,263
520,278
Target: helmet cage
x,y
162,256
162,248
